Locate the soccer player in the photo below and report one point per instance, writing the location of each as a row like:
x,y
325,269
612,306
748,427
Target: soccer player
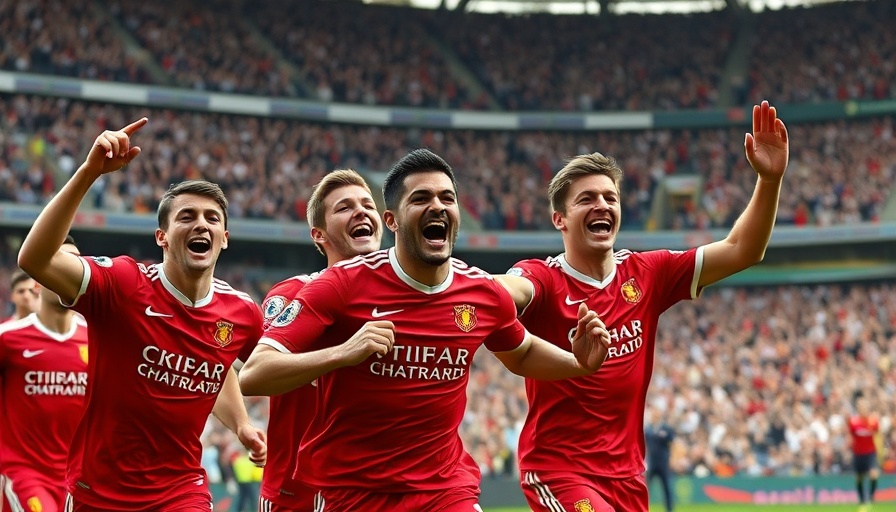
x,y
391,397
23,295
344,223
162,339
582,444
863,426
43,372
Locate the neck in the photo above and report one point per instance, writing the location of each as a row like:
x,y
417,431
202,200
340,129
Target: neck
x,y
58,320
21,313
194,285
422,272
595,265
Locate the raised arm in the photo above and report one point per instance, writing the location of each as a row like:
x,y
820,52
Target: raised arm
x,y
542,360
40,255
271,372
767,150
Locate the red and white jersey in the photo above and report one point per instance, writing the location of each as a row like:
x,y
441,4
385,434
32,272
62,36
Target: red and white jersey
x,y
390,423
595,425
157,362
44,389
863,429
290,415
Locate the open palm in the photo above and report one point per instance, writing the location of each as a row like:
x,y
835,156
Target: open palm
x,y
768,147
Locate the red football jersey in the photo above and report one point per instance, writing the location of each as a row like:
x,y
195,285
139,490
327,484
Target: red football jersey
x,y
290,414
44,388
390,423
595,425
862,430
157,362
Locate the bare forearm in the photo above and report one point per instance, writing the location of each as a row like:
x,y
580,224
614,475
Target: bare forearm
x,y
269,372
752,231
229,407
542,361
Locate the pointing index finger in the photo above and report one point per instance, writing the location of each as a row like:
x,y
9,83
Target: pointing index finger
x,y
135,126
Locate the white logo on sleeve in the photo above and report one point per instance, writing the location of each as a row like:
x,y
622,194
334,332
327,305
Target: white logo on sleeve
x,y
103,261
289,313
570,302
380,314
28,354
150,312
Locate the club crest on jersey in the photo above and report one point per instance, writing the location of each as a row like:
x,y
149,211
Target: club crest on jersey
x,y
583,506
83,351
465,317
630,291
34,504
223,333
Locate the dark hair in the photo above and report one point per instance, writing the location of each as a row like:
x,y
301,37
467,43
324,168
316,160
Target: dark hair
x,y
196,187
18,276
69,240
417,161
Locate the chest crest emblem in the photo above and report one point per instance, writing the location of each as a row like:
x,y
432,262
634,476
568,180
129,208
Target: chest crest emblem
x,y
630,292
223,333
465,317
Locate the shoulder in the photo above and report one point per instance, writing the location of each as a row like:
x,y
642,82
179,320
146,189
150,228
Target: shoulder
x,y
16,325
224,289
357,264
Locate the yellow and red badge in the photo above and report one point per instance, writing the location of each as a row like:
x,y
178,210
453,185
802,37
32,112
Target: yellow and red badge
x,y
465,317
83,351
583,506
630,291
223,333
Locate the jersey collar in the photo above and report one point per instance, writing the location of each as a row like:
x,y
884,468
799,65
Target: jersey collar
x,y
575,274
417,285
180,296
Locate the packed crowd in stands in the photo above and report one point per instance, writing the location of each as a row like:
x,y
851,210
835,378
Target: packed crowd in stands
x,y
827,59
840,172
356,53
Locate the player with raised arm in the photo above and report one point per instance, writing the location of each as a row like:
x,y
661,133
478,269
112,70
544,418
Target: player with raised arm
x,y
582,444
22,294
162,339
344,223
43,379
392,396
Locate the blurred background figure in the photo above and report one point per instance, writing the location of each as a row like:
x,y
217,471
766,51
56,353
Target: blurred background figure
x,y
658,436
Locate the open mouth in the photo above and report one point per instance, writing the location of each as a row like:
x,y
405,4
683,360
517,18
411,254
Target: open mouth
x,y
199,245
436,231
361,231
600,226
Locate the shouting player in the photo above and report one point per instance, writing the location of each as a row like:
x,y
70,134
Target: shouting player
x,y
391,398
43,379
162,340
582,444
344,223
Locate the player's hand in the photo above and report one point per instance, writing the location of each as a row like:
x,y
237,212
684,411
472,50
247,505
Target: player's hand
x,y
375,337
112,150
591,340
768,147
255,441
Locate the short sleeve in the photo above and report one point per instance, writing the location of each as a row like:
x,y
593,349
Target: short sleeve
x,y
508,333
306,315
106,283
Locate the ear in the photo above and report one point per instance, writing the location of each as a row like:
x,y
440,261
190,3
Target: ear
x,y
318,236
389,220
161,238
559,221
226,241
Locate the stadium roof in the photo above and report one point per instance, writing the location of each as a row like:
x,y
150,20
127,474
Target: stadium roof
x,y
596,6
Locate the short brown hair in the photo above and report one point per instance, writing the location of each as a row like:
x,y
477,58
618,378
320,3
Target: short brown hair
x,y
315,213
577,167
18,276
196,187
